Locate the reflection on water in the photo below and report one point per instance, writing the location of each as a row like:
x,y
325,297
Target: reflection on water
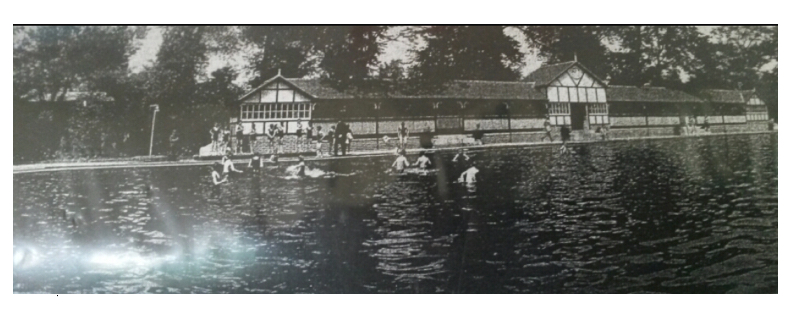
x,y
682,215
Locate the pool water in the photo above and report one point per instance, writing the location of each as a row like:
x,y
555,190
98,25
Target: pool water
x,y
693,215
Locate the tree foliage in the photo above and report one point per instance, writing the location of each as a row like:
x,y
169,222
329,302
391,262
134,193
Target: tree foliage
x,y
464,52
49,61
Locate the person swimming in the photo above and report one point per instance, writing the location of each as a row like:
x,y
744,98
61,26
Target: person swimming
x,y
462,154
217,178
423,162
468,176
256,163
400,163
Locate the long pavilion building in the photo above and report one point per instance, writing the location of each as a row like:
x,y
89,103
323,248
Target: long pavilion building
x,y
507,111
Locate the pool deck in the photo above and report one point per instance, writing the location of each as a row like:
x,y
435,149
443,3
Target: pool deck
x,y
137,162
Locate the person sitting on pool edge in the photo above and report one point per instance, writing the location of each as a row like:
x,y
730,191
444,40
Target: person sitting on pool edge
x,y
217,178
228,166
400,163
468,176
423,162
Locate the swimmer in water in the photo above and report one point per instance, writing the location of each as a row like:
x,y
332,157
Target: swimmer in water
x,y
423,162
217,178
468,176
256,163
299,170
462,154
400,163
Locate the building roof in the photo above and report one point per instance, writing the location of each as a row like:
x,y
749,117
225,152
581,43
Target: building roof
x,y
647,94
545,75
726,96
482,89
456,89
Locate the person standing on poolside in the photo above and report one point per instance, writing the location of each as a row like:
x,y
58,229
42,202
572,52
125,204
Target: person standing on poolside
x,y
330,137
239,137
173,139
400,163
309,137
252,138
403,135
318,138
349,138
548,129
271,135
299,136
478,134
280,134
215,135
339,137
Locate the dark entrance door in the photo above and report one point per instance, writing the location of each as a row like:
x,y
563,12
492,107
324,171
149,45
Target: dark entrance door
x,y
578,113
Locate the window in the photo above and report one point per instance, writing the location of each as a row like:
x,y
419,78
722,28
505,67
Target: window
x,y
271,111
598,108
558,108
757,116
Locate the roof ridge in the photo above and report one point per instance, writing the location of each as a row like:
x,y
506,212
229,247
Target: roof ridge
x,y
556,64
494,81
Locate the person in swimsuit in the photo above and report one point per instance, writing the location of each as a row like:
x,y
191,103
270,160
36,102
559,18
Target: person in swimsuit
x,y
280,134
400,163
423,162
228,166
252,138
468,176
271,135
256,163
478,134
403,135
300,168
299,136
548,129
214,137
318,139
309,131
217,178
462,154
239,137
330,136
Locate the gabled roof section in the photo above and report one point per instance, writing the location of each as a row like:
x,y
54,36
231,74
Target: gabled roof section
x,y
545,75
276,78
648,94
728,96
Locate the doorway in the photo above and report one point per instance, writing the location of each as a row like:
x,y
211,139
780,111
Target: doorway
x,y
578,113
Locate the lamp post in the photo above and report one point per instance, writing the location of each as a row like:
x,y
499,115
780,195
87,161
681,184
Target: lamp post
x,y
152,136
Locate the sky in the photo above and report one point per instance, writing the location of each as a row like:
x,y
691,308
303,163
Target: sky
x,y
393,50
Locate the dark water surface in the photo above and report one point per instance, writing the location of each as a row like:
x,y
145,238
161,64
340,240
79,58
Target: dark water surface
x,y
696,215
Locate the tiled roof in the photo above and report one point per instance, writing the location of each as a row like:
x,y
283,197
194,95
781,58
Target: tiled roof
x,y
480,89
457,89
647,94
726,96
546,74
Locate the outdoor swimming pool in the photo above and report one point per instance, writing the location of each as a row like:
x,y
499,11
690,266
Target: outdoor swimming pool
x,y
680,215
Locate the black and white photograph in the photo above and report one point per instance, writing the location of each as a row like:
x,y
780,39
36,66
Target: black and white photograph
x,y
395,159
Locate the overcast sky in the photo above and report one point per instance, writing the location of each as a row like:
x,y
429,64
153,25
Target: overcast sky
x,y
393,50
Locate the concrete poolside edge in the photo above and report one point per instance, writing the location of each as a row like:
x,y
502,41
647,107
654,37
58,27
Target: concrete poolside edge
x,y
66,166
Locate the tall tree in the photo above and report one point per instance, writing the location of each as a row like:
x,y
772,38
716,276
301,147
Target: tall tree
x,y
291,49
350,55
464,52
561,43
49,61
659,55
735,55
